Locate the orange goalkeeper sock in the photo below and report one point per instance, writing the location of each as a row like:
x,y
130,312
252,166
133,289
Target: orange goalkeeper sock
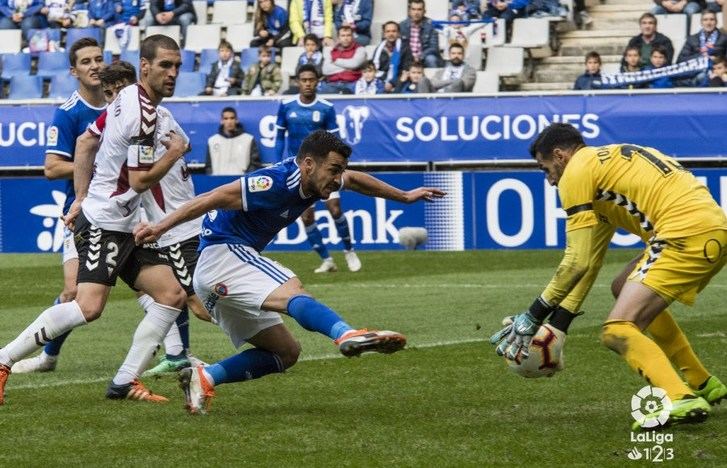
x,y
644,356
672,340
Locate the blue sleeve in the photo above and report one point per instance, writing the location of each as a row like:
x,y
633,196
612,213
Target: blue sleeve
x,y
519,4
331,123
110,12
281,126
379,86
366,10
262,190
5,9
34,8
64,142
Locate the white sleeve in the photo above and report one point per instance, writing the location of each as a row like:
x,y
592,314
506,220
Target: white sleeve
x,y
138,124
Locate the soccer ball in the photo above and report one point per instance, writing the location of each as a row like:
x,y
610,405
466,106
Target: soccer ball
x,y
546,355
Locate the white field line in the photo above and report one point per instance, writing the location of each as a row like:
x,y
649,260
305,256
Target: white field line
x,y
320,357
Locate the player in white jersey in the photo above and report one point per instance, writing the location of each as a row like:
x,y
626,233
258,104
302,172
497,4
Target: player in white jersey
x,y
126,166
69,121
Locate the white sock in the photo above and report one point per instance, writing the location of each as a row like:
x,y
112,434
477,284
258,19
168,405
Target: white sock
x,y
145,301
147,338
173,342
47,357
53,322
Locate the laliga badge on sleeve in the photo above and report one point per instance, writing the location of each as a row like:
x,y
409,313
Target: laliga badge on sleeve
x,y
52,136
259,183
146,154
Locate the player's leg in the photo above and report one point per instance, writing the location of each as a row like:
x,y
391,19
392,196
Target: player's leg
x,y
175,357
150,274
315,238
334,207
667,334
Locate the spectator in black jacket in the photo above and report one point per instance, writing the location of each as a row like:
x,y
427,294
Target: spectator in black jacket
x,y
226,76
709,42
418,33
391,56
649,38
271,25
592,74
173,12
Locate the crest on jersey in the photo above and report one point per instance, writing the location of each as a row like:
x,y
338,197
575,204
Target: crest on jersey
x,y
354,118
259,183
52,136
316,116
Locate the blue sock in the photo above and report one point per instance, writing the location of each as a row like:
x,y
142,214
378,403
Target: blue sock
x,y
317,317
53,347
316,240
343,232
183,325
249,364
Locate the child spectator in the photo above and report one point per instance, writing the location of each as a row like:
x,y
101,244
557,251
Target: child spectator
x,y
357,14
129,12
459,33
271,25
466,9
631,61
225,77
368,84
413,81
263,78
718,75
592,74
312,54
658,60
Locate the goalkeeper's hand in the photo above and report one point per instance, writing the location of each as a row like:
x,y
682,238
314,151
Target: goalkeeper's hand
x,y
515,337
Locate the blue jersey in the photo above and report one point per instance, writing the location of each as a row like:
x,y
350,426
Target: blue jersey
x,y
70,121
300,120
271,200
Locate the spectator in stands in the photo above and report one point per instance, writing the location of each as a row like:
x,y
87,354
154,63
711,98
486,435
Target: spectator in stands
x,y
419,35
456,76
129,12
658,60
687,7
391,56
231,151
650,38
581,16
544,8
263,78
413,81
271,26
101,13
459,33
507,9
357,14
226,76
342,64
58,13
368,84
718,75
592,76
22,14
173,12
466,9
631,61
311,17
312,54
709,42
715,5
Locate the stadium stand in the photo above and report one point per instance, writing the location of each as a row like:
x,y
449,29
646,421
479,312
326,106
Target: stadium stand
x,y
26,87
62,86
239,35
15,64
52,63
200,8
202,36
111,42
228,12
10,41
188,60
74,34
486,82
175,32
206,59
189,84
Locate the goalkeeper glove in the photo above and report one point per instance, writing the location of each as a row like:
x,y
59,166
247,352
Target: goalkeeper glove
x,y
516,336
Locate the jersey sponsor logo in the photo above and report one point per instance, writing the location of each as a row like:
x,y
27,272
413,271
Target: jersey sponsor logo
x,y
316,116
259,184
52,137
146,154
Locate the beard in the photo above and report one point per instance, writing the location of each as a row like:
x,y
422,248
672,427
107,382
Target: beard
x,y
456,62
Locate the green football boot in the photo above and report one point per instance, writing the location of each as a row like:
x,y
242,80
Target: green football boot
x,y
167,366
713,391
684,411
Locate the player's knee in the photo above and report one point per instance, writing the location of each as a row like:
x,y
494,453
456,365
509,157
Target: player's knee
x,y
91,308
173,297
290,354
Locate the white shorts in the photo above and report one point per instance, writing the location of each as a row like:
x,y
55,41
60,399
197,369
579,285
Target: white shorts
x,y
233,281
69,246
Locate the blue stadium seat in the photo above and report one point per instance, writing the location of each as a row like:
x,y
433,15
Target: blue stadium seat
x,y
108,57
74,34
248,57
15,64
26,87
131,56
50,33
187,60
52,63
62,86
206,58
189,84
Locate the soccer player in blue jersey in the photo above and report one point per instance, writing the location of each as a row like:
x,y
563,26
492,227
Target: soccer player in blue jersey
x,y
246,292
299,117
69,121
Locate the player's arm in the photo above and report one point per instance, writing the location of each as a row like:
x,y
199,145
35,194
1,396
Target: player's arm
x,y
147,175
59,150
86,148
281,126
57,166
368,185
226,197
575,264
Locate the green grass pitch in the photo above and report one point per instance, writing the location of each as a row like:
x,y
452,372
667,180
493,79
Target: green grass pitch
x,y
446,400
